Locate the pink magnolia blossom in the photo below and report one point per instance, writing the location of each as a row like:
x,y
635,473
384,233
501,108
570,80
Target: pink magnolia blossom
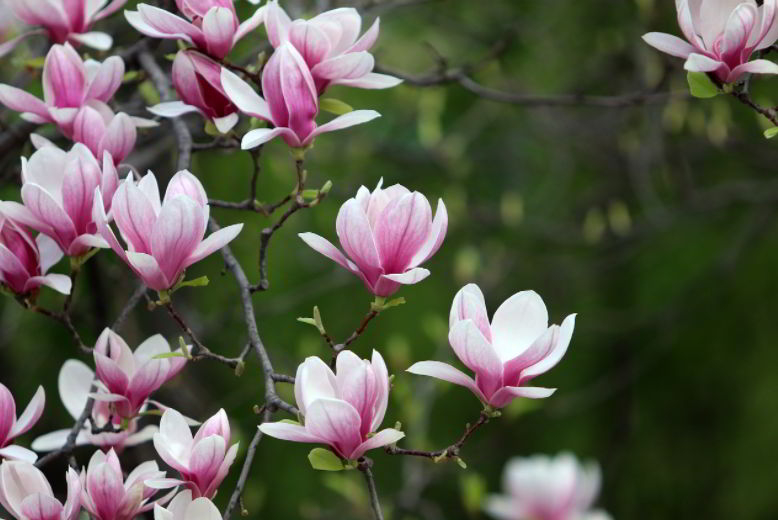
x,y
291,102
103,131
197,81
721,36
131,377
12,427
68,85
330,45
516,347
75,386
27,495
58,194
64,20
211,25
203,460
547,488
182,507
24,260
342,409
163,238
107,495
386,234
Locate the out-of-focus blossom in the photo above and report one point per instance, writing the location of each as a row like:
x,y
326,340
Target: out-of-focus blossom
x,y
211,25
68,85
9,29
131,377
182,507
24,260
342,409
163,238
197,81
63,20
27,495
75,386
107,495
330,45
721,36
515,348
203,460
58,193
548,488
12,427
387,235
291,102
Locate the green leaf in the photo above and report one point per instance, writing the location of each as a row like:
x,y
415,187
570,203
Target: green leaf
x,y
701,86
324,460
335,106
317,320
197,282
149,93
771,132
307,321
131,75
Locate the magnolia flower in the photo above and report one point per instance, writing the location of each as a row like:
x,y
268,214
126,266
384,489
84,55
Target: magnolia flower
x,y
27,495
203,460
213,25
58,193
65,20
107,495
12,427
386,234
721,36
198,83
131,377
24,260
342,409
182,507
328,43
292,102
103,131
75,386
163,238
68,84
516,347
545,488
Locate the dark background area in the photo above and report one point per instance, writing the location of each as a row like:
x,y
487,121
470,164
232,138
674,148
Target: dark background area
x,y
656,223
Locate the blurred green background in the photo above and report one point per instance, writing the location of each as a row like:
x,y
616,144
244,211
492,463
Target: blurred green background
x,y
656,223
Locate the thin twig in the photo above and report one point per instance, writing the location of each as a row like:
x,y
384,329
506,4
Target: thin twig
x,y
364,466
449,452
70,441
136,297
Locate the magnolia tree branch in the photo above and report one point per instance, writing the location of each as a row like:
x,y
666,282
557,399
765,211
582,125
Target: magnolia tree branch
x,y
450,452
364,466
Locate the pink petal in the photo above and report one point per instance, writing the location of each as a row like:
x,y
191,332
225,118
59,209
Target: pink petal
x,y
59,282
289,432
14,452
371,80
518,322
64,77
469,304
356,238
214,242
310,41
244,97
357,385
82,175
325,247
368,39
382,379
561,341
379,440
701,63
506,395
184,183
475,352
219,26
39,506
30,415
753,67
109,372
202,509
107,80
176,235
401,230
7,414
254,21
165,24
96,40
388,284
21,101
346,66
357,117
148,270
134,215
335,421
314,380
89,128
343,25
47,210
206,457
669,44
119,138
448,373
19,480
260,136
277,23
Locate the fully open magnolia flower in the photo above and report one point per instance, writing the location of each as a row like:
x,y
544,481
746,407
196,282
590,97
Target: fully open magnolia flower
x,y
163,238
107,495
75,386
547,488
387,235
515,348
182,507
721,36
64,20
197,81
203,460
344,409
330,45
27,495
212,26
24,260
291,102
12,427
69,83
131,377
58,193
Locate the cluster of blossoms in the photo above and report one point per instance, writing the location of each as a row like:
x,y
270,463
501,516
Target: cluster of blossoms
x,y
76,201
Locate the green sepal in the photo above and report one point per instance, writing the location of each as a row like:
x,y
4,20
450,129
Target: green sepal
x,y
324,460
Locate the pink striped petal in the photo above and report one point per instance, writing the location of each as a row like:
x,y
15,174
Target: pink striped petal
x,y
475,352
356,238
148,270
517,323
30,415
504,396
669,44
21,101
346,66
379,440
371,80
289,432
219,26
335,421
107,80
448,373
214,242
244,97
357,117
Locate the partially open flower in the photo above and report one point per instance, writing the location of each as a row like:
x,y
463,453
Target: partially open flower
x,y
182,507
721,36
515,348
12,426
343,409
27,495
387,235
197,81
